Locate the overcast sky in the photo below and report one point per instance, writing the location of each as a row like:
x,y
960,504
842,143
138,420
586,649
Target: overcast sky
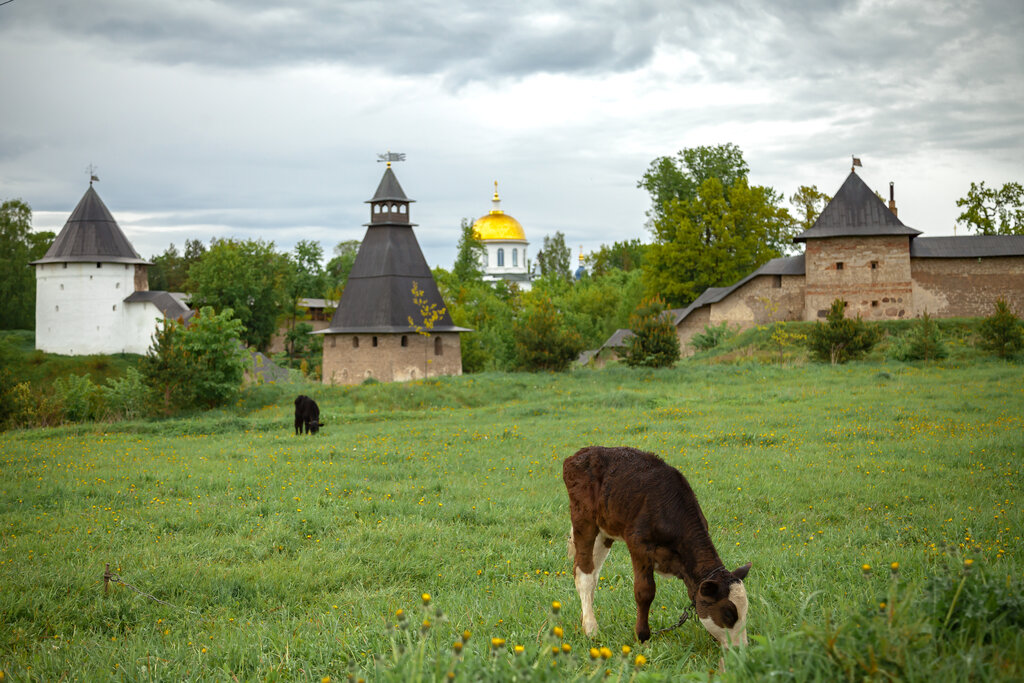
x,y
257,119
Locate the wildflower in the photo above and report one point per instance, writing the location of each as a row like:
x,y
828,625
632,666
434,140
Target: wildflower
x,y
426,599
457,646
967,564
640,660
450,675
626,649
881,605
566,648
866,568
606,652
325,679
519,649
400,614
555,650
426,624
894,568
595,653
557,631
465,635
555,606
497,643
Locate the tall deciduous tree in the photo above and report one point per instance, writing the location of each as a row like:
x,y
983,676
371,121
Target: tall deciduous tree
x,y
989,211
469,258
714,239
654,343
340,266
250,278
680,178
809,203
554,257
19,246
542,340
169,272
624,256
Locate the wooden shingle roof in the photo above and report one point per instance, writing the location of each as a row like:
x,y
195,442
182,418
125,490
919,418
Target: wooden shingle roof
x,y
91,234
855,211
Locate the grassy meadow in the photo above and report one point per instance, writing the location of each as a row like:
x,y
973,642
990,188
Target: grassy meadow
x,y
259,555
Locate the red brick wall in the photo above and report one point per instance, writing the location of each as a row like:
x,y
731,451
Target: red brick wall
x,y
872,274
949,288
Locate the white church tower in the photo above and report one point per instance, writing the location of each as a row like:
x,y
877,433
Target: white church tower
x,y
92,289
505,245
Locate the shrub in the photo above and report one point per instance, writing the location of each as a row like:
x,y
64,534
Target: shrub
x,y
1001,332
127,397
542,340
841,339
77,397
654,343
198,365
924,342
712,336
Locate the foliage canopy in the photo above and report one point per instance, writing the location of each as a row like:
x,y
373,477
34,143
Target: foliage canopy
x,y
840,339
654,343
989,211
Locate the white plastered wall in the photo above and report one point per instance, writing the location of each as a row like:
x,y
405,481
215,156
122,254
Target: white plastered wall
x,y
80,310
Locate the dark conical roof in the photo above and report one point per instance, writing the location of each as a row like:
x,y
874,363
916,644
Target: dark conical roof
x,y
378,296
91,234
855,210
389,189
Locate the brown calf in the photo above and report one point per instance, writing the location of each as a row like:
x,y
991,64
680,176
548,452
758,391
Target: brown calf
x,y
624,494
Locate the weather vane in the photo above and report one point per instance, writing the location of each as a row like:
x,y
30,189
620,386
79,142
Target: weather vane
x,y
855,162
390,156
91,170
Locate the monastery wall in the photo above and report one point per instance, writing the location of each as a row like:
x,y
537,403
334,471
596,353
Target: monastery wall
x,y
963,287
353,358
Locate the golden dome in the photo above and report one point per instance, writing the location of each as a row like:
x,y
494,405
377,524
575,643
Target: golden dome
x,y
498,225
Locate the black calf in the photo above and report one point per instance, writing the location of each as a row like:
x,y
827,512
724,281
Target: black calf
x,y
307,415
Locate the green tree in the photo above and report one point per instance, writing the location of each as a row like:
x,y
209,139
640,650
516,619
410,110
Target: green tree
x,y
1001,333
250,278
340,266
713,240
19,246
924,342
196,365
840,339
469,258
809,203
989,211
625,256
554,257
542,340
654,343
169,272
680,178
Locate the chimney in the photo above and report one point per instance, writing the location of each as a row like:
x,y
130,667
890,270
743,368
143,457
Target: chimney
x,y
892,200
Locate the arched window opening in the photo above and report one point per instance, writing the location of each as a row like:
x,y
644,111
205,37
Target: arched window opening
x,y
515,258
401,209
438,346
501,258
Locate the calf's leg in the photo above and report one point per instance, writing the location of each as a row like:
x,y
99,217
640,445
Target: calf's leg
x,y
643,591
584,538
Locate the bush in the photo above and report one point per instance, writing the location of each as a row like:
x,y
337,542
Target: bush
x,y
924,342
654,343
542,340
841,339
198,365
78,398
712,336
1001,332
127,397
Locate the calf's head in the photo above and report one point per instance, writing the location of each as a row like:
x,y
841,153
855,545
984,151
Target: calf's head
x,y
314,426
722,606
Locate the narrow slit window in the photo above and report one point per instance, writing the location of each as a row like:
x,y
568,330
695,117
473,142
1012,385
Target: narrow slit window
x,y
839,265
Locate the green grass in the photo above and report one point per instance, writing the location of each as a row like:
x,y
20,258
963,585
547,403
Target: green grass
x,y
286,557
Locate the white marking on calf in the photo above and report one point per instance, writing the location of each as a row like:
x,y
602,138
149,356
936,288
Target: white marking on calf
x,y
586,584
737,635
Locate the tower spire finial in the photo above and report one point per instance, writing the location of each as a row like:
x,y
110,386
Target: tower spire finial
x,y
91,170
390,156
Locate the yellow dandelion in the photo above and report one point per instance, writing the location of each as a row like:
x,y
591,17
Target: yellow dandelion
x,y
640,660
450,675
555,606
595,653
566,648
497,642
465,635
519,649
555,650
400,614
557,631
626,649
426,598
606,652
325,679
457,646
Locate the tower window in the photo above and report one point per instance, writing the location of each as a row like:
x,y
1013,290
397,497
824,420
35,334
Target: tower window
x,y
334,340
777,282
373,341
839,265
117,285
501,258
874,265
438,346
355,342
405,340
515,257
114,308
99,265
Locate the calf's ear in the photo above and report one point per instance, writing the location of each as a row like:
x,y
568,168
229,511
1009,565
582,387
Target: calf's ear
x,y
741,572
710,589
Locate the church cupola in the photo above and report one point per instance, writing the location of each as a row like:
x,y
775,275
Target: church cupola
x,y
389,205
